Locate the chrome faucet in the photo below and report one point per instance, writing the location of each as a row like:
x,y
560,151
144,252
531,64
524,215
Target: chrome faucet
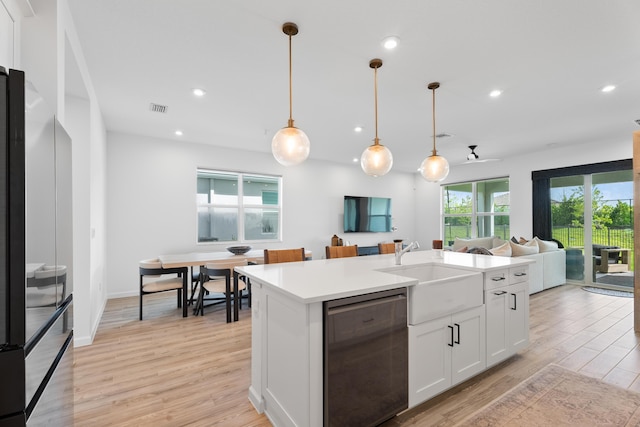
x,y
399,251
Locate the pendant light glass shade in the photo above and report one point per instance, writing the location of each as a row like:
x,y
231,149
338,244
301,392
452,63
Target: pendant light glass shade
x,y
290,145
434,168
376,160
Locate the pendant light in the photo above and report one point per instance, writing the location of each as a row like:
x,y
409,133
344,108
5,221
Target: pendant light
x,y
290,145
376,159
434,168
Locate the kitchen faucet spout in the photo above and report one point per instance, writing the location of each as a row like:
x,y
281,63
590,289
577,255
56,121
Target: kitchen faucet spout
x,y
400,251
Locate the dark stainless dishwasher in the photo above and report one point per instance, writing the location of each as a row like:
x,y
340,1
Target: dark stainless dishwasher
x,y
365,358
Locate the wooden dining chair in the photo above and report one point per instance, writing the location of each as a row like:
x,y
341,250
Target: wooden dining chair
x,y
152,281
274,256
341,251
386,248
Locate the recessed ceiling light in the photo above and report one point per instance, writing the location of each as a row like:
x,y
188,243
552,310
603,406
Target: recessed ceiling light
x,y
355,159
178,132
199,92
390,42
495,93
358,129
608,88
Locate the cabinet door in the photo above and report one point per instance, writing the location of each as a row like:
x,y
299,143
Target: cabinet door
x,y
469,352
518,317
429,359
497,306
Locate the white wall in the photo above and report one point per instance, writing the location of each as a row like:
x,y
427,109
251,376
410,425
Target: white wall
x,y
46,47
152,205
7,30
151,197
81,116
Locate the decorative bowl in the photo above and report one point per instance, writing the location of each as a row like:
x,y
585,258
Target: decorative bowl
x,y
239,250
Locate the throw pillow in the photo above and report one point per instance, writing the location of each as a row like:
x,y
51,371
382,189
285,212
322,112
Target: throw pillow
x,y
497,242
502,250
522,240
479,251
463,249
546,245
522,250
483,242
514,240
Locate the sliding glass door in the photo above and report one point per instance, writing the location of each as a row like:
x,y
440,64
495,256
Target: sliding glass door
x,y
612,231
592,215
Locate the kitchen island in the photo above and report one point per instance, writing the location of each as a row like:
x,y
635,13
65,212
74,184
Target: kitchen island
x,y
481,295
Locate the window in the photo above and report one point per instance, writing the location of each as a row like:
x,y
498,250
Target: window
x,y
237,207
476,209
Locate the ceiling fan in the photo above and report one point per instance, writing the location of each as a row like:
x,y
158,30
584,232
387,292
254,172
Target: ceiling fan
x,y
473,157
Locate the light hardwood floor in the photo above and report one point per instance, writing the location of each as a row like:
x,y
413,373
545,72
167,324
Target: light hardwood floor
x,y
171,371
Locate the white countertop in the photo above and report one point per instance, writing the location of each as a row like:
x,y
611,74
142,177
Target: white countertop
x,y
323,280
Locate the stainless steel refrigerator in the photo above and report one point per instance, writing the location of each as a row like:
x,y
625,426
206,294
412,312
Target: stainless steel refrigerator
x,y
36,253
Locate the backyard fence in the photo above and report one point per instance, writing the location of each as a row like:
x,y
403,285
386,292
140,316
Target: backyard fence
x,y
572,236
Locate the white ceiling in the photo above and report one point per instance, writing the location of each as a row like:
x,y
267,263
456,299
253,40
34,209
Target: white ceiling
x,y
550,57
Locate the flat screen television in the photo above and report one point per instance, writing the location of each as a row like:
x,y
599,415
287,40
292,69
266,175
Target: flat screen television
x,y
367,214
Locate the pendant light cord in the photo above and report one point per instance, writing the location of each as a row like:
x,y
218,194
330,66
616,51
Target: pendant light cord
x,y
433,106
375,102
290,87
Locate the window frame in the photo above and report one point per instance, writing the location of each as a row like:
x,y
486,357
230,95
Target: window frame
x,y
474,216
241,206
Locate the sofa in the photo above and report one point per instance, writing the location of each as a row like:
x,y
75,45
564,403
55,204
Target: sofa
x,y
549,270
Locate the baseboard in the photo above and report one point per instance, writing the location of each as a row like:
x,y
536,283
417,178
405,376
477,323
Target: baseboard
x,y
88,340
123,294
256,400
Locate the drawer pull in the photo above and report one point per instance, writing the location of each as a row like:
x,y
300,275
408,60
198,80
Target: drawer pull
x,y
520,274
497,279
515,302
458,328
500,293
450,344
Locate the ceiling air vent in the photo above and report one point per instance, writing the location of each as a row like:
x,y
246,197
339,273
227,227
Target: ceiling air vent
x,y
444,135
637,122
157,108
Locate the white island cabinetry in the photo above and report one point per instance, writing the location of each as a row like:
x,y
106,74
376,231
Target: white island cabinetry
x,y
287,324
444,352
507,307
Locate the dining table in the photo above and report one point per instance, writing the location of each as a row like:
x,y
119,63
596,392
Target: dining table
x,y
219,260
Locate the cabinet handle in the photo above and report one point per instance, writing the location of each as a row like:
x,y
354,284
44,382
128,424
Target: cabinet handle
x,y
515,302
520,274
497,279
500,293
451,344
458,328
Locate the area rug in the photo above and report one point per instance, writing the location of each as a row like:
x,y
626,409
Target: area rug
x,y
610,292
555,396
619,280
